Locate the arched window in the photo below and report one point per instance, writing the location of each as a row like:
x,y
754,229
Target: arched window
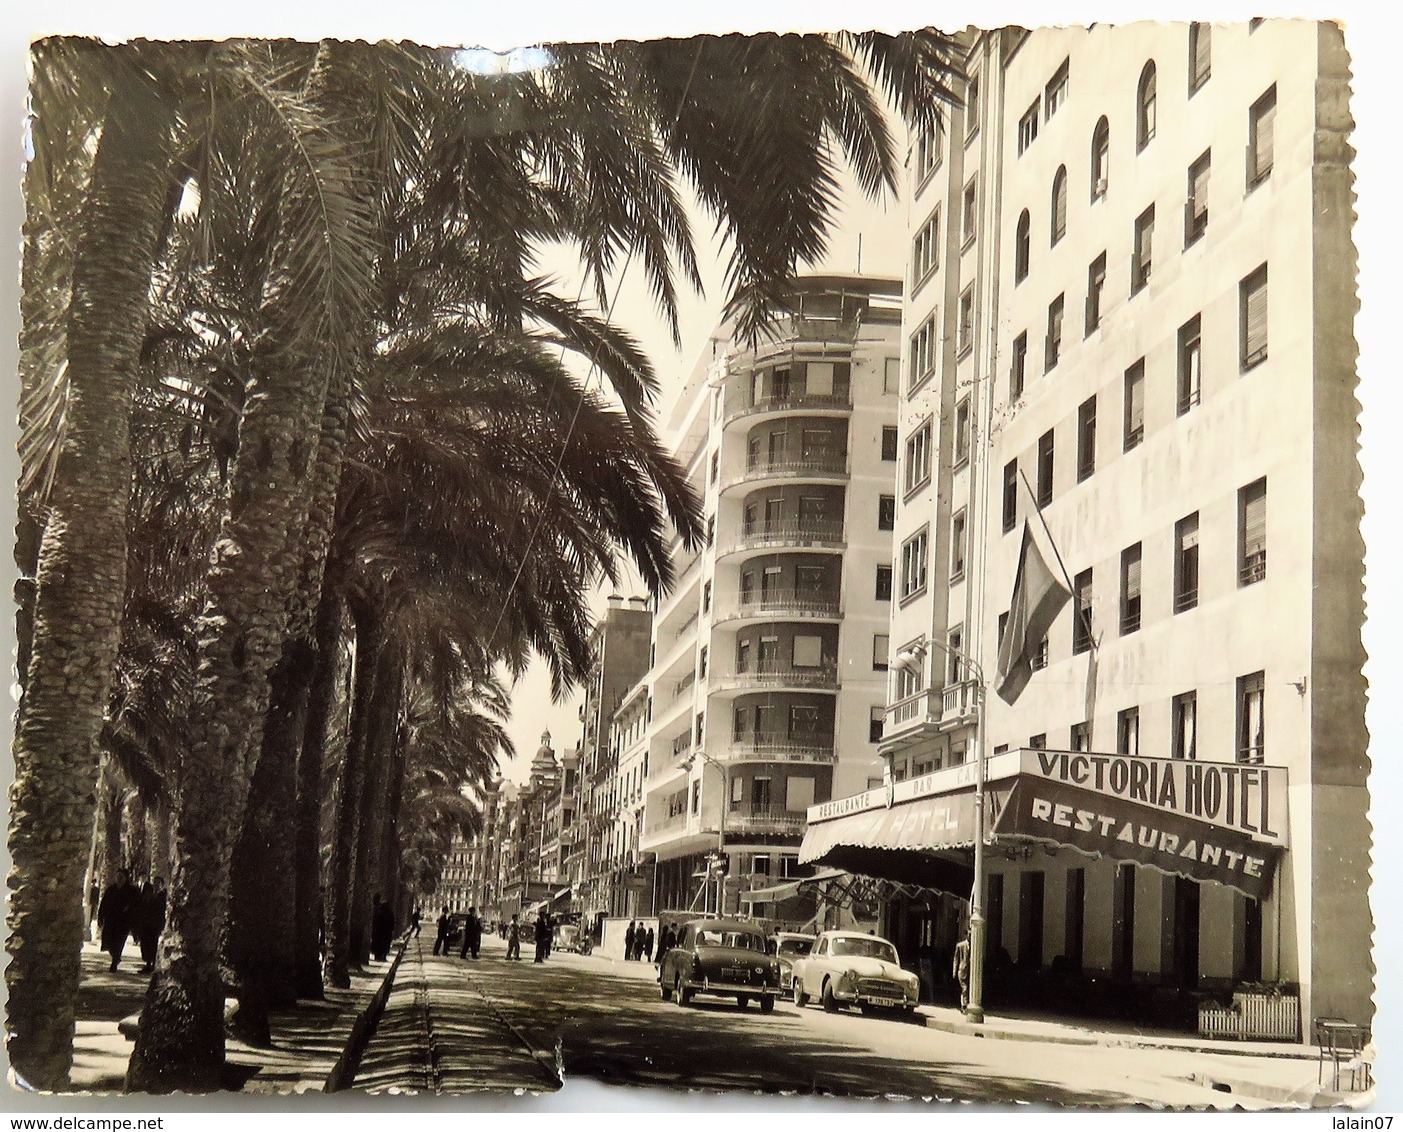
x,y
1145,107
1059,205
1100,159
1022,248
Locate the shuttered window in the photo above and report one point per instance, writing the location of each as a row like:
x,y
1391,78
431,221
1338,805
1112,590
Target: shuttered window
x,y
1053,346
1081,613
1100,159
1252,533
1261,141
1145,118
1022,247
1130,590
1253,301
1190,364
1143,257
1135,405
1046,463
1018,369
1184,740
1186,563
1251,718
1200,54
1196,206
1095,287
1059,205
1086,439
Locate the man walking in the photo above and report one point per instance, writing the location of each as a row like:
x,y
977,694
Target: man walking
x,y
441,941
415,918
382,929
629,937
151,920
472,935
541,930
960,969
116,915
513,931
648,940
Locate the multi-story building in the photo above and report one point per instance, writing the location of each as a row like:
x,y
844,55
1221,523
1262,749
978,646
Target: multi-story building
x,y
1129,341
487,863
768,681
631,869
620,647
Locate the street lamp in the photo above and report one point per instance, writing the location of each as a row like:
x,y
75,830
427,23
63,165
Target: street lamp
x,y
689,763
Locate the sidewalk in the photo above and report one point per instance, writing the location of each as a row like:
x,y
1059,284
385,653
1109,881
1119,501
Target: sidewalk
x,y
307,1039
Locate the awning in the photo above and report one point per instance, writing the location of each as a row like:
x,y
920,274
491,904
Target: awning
x,y
789,889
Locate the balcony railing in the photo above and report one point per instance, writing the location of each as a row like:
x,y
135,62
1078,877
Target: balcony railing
x,y
780,747
923,707
791,400
784,603
754,536
792,467
684,684
743,816
824,676
959,700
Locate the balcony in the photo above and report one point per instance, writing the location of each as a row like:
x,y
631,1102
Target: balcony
x,y
758,817
838,400
928,712
824,534
779,747
816,465
782,604
823,678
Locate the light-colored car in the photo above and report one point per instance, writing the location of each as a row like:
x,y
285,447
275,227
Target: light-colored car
x,y
854,969
787,947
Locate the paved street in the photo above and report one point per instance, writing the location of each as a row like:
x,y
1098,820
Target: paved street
x,y
453,1026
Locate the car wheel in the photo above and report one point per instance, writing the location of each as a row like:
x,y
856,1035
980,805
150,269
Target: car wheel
x,y
667,990
742,1001
684,995
800,998
767,1004
830,1003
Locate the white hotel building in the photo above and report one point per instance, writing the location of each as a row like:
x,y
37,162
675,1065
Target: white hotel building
x,y
1130,300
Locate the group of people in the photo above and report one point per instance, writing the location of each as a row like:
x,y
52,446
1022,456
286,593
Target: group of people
x,y
511,931
125,910
638,943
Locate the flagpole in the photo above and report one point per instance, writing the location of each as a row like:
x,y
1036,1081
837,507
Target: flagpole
x,y
1052,542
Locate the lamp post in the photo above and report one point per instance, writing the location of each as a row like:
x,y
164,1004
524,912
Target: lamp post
x,y
720,822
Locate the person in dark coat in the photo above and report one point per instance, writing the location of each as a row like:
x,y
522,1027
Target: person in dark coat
x,y
541,930
472,935
629,936
441,940
151,922
513,931
648,940
116,915
415,918
382,929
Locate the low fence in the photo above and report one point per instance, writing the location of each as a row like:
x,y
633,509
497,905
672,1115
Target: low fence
x,y
1264,1017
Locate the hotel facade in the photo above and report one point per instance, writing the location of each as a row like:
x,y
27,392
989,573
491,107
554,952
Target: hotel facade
x,y
1128,340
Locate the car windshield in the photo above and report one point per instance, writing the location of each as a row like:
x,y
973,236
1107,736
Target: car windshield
x,y
795,946
717,937
867,947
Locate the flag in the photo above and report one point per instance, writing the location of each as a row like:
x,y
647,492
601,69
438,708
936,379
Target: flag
x,y
1038,597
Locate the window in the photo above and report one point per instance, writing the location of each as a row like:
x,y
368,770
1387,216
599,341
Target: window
x,y
808,651
874,724
701,663
909,681
706,597
1251,722
1190,364
1010,495
957,546
954,655
971,213
1040,657
1095,287
1081,737
1260,139
1128,731
1186,563
966,341
1252,317
883,590
971,106
715,465
1200,55
1028,126
1059,205
1252,533
1038,742
1018,369
1056,92
925,256
891,378
1045,466
913,565
1052,346
701,721
1081,625
1183,738
923,352
918,457
1086,439
1130,590
1141,259
886,513
1145,107
1135,405
889,441
881,651
696,796
928,151
711,530
1022,247
742,656
962,432
1100,159
1196,206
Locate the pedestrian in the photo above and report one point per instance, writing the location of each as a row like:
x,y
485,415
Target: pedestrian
x,y
472,935
629,936
116,915
669,941
382,929
94,899
541,930
151,921
648,940
514,939
960,969
550,933
415,917
441,940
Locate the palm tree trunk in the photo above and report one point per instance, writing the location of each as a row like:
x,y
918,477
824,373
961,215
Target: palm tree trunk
x,y
383,719
79,587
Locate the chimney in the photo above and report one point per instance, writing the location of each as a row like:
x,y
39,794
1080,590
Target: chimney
x,y
616,601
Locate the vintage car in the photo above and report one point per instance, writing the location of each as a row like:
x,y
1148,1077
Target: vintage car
x,y
720,957
854,969
787,947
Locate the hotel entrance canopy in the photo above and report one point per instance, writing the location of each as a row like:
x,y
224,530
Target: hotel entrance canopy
x,y
1221,822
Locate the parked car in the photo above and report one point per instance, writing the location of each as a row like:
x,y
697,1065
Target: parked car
x,y
787,947
854,969
720,957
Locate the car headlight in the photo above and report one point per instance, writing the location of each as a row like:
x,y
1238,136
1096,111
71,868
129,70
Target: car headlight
x,y
848,982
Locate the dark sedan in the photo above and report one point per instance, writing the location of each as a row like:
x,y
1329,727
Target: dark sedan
x,y
721,957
